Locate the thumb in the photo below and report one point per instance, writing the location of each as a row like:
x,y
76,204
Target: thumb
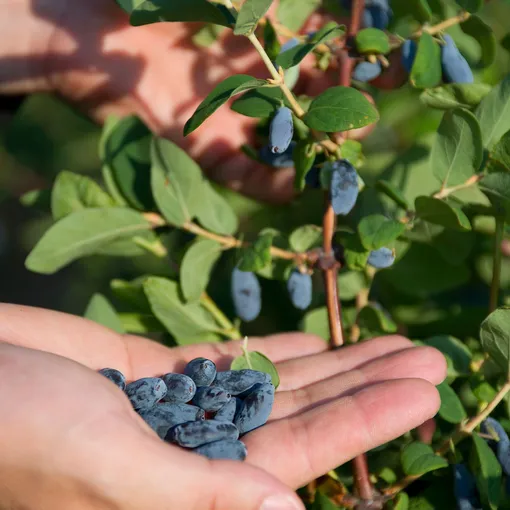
x,y
160,475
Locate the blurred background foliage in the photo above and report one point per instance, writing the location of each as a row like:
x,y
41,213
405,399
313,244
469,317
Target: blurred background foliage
x,y
45,136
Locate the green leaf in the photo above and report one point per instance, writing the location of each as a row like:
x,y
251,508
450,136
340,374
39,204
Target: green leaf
x,y
426,71
493,113
340,109
500,154
214,212
350,283
126,154
375,320
418,459
249,16
495,337
37,198
156,11
259,103
422,272
470,5
83,233
228,88
131,293
455,95
454,246
293,56
505,42
322,502
305,238
304,158
457,152
72,192
420,10
485,37
351,150
372,40
207,35
376,231
257,255
392,192
128,5
487,470
175,181
451,408
196,267
355,254
294,13
457,354
272,45
497,188
401,502
256,361
442,213
101,311
140,324
183,321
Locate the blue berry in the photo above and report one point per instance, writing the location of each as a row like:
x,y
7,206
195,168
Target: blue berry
x,y
312,178
408,54
201,370
299,286
256,408
180,388
227,412
146,392
344,187
226,449
366,71
502,445
281,130
211,398
377,14
198,433
455,66
283,160
465,488
237,382
291,43
381,258
246,294
115,376
164,416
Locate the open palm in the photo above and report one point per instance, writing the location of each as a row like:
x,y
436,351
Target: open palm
x,y
79,430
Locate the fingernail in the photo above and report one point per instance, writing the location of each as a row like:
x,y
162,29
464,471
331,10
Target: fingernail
x,y
281,503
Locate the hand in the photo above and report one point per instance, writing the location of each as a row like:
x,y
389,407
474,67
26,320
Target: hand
x,y
101,63
71,439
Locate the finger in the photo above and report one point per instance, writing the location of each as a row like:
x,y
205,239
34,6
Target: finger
x,y
97,347
296,373
426,362
153,358
329,435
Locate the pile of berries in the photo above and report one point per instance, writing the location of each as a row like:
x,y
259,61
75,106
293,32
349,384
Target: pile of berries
x,y
202,410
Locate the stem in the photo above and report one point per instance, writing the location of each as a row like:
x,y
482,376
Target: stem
x,y
496,267
230,330
445,192
458,435
447,23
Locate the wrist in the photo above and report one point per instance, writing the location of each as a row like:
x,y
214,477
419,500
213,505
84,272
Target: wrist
x,y
25,44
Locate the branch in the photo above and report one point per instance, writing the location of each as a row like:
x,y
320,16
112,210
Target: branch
x,y
462,432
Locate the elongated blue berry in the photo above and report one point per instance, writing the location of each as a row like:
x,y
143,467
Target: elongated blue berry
x,y
501,445
408,54
163,416
115,376
283,160
381,258
344,187
146,392
197,433
281,130
291,43
201,370
366,71
180,388
227,412
246,294
237,382
256,409
211,398
312,178
465,488
225,449
455,66
377,14
299,286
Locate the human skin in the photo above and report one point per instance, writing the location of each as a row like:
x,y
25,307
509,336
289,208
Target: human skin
x,y
89,54
69,438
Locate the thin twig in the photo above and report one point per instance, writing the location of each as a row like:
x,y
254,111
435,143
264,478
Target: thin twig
x,y
230,330
445,192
